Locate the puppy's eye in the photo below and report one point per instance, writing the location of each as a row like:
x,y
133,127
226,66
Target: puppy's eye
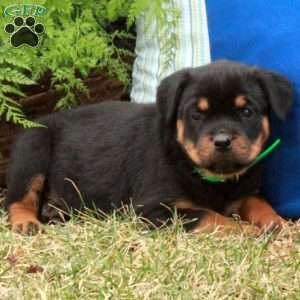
x,y
246,112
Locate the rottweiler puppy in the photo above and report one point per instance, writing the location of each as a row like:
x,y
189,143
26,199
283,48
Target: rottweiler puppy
x,y
209,120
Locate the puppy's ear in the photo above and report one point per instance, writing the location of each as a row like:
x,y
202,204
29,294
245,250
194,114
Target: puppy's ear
x,y
169,93
279,91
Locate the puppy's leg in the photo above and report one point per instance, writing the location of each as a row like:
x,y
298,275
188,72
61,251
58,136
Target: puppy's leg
x,y
258,212
23,213
25,178
206,220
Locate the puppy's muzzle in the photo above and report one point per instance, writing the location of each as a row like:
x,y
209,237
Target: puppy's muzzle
x,y
222,141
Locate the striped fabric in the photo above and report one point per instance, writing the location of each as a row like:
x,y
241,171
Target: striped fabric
x,y
192,50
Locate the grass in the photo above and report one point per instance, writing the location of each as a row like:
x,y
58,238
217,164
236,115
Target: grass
x,y
121,259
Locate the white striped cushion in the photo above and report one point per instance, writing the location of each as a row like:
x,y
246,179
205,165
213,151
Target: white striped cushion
x,y
193,49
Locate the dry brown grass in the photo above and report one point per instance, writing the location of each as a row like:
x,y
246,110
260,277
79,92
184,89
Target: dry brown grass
x,y
121,259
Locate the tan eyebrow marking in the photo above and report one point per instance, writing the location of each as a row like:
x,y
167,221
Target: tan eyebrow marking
x,y
240,101
203,104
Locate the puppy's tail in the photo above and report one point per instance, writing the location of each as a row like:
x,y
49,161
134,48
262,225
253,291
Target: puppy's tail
x,y
28,165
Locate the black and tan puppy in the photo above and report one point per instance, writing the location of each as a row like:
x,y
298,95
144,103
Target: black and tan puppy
x,y
212,118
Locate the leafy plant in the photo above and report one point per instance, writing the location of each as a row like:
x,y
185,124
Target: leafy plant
x,y
11,77
77,41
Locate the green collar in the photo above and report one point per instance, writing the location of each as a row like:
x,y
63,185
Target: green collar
x,y
218,179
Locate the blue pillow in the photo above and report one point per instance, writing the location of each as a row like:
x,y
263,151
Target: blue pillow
x,y
267,34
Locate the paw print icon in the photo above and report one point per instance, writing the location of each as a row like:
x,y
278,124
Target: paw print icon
x,y
24,31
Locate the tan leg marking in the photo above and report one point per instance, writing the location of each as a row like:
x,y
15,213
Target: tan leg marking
x,y
183,203
23,214
258,212
213,220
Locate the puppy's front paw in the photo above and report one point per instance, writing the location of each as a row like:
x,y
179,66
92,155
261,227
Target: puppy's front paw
x,y
249,230
270,223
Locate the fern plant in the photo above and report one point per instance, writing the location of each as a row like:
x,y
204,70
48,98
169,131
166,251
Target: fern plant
x,y
75,43
11,77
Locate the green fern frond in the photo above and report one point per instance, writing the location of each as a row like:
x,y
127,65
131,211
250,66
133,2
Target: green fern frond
x,y
75,43
17,62
10,89
11,112
67,102
13,75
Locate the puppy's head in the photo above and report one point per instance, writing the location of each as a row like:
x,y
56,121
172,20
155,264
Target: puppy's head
x,y
219,113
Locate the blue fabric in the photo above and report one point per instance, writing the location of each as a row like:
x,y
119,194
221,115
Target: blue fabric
x,y
267,34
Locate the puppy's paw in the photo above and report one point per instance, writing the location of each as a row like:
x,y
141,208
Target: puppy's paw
x,y
24,222
250,230
23,217
271,223
238,228
29,226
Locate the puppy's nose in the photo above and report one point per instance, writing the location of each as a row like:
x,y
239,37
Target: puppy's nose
x,y
222,141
